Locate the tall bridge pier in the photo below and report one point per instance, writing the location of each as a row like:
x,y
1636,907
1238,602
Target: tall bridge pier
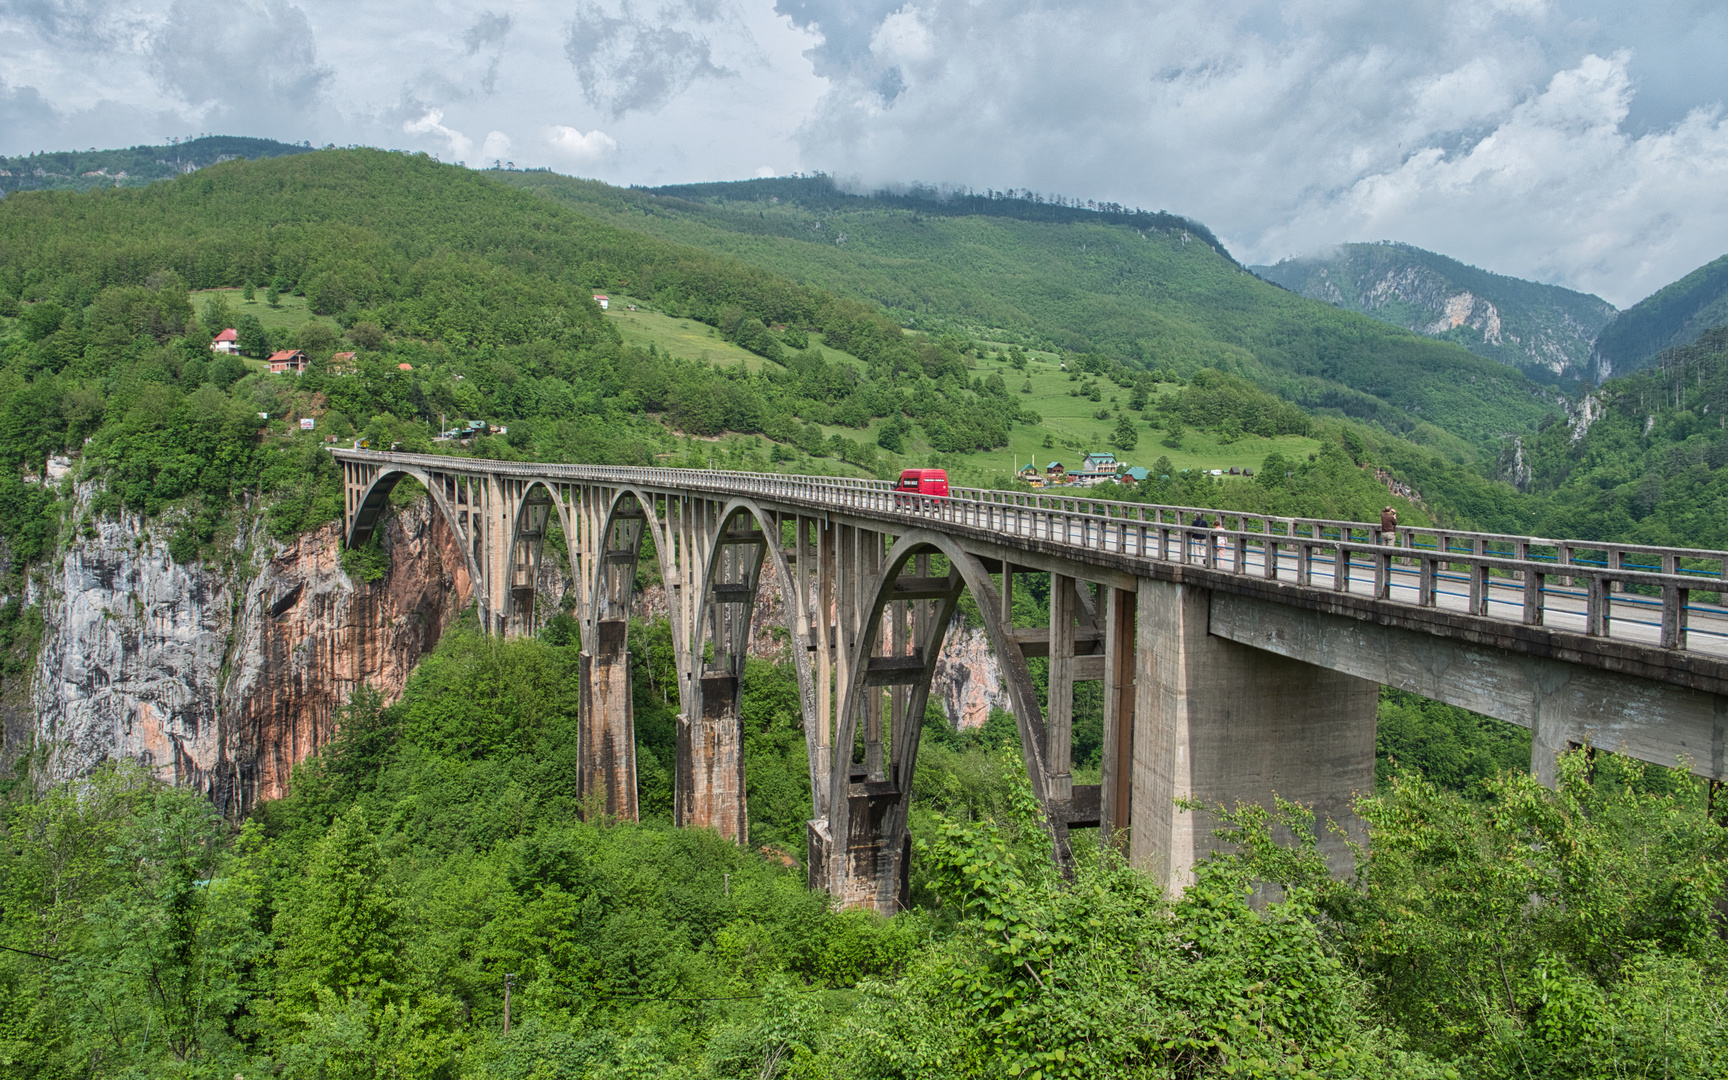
x,y
1235,663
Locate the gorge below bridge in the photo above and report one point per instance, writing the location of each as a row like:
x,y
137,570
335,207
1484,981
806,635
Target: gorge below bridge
x,y
1236,662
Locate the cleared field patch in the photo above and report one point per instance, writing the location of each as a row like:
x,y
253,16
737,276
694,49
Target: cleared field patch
x,y
1074,429
688,339
290,314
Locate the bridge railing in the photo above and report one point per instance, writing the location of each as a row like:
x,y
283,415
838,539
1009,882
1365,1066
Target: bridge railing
x,y
1604,589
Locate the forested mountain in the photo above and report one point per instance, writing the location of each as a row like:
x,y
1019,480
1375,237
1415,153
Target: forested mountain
x,y
1149,288
1644,457
1542,330
1676,314
435,861
81,170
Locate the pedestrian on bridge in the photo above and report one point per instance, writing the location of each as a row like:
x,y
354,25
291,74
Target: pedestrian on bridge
x,y
1388,526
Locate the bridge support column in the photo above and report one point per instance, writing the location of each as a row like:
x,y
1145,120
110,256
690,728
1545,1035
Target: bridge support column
x,y
606,763
709,785
1222,723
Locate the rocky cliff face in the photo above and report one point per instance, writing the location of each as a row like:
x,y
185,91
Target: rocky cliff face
x,y
224,681
1544,330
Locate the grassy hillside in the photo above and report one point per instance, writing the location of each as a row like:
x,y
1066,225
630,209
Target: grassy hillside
x,y
1149,289
1542,330
1676,314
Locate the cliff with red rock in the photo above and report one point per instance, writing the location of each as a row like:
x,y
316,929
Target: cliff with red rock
x,y
223,680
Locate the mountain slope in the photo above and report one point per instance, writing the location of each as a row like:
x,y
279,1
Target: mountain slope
x,y
1676,314
1645,458
1542,330
1148,288
81,170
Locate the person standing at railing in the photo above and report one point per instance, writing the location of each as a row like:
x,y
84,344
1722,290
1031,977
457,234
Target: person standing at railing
x,y
1388,526
1197,540
1221,542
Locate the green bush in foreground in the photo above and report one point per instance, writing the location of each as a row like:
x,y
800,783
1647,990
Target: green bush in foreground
x,y
364,925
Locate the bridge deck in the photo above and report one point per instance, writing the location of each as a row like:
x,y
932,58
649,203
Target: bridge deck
x,y
1653,597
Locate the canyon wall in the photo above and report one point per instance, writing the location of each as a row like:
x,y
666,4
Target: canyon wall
x,y
224,679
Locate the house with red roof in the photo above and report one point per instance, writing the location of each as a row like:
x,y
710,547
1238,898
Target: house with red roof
x,y
228,341
603,300
288,362
342,363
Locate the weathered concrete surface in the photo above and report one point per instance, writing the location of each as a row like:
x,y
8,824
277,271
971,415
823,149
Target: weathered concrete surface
x,y
1222,724
606,768
1561,703
708,787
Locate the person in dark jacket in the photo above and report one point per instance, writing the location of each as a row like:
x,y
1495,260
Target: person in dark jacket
x,y
1388,526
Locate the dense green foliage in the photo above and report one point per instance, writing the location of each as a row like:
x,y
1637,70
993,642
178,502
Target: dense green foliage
x,y
81,170
365,925
1675,314
1153,291
1650,468
462,299
1538,329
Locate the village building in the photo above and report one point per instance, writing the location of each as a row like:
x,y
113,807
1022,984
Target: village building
x,y
228,341
342,363
603,300
1054,471
288,362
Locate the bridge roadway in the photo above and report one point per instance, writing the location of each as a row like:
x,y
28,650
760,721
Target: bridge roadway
x,y
1236,661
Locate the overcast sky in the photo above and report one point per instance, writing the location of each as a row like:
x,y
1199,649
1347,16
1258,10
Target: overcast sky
x,y
1580,142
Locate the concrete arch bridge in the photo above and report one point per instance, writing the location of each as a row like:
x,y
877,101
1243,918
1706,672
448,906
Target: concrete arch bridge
x,y
1236,660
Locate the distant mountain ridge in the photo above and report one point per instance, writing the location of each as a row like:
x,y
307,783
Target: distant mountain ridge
x,y
1545,331
1677,314
81,170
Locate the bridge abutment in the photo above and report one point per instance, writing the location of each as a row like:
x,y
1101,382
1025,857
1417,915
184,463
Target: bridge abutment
x,y
1220,723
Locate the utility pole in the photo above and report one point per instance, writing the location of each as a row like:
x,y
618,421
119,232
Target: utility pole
x,y
509,979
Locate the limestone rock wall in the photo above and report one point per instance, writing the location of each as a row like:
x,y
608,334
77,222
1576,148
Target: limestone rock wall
x,y
223,681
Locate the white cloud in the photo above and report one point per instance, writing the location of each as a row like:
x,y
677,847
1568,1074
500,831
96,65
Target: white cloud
x,y
578,148
432,123
1487,130
496,146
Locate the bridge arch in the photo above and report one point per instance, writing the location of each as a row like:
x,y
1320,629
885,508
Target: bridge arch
x,y
606,725
541,503
710,788
369,513
865,847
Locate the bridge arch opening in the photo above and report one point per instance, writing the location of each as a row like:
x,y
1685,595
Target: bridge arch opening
x,y
373,503
632,520
861,850
747,547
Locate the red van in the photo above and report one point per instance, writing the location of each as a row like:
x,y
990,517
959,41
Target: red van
x,y
918,488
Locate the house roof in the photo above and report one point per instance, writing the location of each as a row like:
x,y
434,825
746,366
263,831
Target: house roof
x,y
1054,465
1137,473
228,335
287,354
342,356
